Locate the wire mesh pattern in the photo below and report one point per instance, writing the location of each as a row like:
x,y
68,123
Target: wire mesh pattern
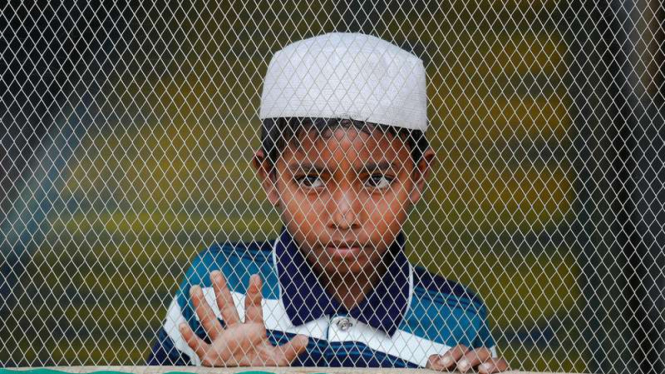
x,y
129,129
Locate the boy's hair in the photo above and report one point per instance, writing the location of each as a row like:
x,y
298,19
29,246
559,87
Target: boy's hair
x,y
277,133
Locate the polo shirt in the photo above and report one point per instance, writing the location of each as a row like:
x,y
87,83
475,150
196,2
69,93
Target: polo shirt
x,y
409,315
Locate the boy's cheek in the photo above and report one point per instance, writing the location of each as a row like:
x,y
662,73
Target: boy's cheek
x,y
386,223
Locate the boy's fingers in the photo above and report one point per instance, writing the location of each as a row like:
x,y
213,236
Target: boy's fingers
x,y
449,359
253,307
224,299
472,358
194,342
287,353
493,365
206,315
434,363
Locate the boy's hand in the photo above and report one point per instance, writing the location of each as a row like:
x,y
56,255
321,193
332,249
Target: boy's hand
x,y
464,359
240,343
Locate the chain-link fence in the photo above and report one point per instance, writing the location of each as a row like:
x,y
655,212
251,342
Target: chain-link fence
x,y
129,130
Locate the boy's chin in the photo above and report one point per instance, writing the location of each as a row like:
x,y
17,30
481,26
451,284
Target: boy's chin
x,y
346,266
352,261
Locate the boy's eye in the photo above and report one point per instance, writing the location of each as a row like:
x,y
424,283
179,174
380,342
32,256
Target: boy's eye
x,y
310,181
379,181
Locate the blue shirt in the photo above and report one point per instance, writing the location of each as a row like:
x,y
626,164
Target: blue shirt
x,y
408,316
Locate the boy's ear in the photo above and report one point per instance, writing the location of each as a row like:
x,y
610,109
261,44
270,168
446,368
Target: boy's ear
x,y
267,176
420,174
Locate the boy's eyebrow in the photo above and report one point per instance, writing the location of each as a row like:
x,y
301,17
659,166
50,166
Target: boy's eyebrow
x,y
369,167
305,166
381,166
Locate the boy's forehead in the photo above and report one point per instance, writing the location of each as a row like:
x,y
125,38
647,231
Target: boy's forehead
x,y
350,144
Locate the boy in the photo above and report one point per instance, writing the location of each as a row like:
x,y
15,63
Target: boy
x,y
343,159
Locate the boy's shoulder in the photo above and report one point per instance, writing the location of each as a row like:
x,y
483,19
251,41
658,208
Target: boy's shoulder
x,y
445,311
436,289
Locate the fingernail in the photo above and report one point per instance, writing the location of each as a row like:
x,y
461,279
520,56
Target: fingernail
x,y
445,361
463,365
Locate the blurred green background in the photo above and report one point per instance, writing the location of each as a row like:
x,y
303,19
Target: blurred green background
x,y
147,163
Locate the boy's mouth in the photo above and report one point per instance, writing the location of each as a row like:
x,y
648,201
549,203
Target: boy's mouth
x,y
343,249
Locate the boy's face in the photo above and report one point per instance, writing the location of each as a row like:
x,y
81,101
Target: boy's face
x,y
344,194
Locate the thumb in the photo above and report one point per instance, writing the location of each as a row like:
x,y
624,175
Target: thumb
x,y
288,352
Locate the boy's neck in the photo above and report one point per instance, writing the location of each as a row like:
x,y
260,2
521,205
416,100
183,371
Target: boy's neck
x,y
351,289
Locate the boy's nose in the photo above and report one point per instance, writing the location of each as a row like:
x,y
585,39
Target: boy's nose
x,y
343,210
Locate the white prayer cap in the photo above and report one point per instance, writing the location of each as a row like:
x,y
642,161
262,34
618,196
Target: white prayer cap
x,y
349,76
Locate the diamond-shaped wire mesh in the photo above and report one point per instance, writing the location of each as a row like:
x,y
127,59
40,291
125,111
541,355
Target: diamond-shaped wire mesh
x,y
127,143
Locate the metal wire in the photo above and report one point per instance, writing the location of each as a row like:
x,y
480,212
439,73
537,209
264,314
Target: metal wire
x,y
128,131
